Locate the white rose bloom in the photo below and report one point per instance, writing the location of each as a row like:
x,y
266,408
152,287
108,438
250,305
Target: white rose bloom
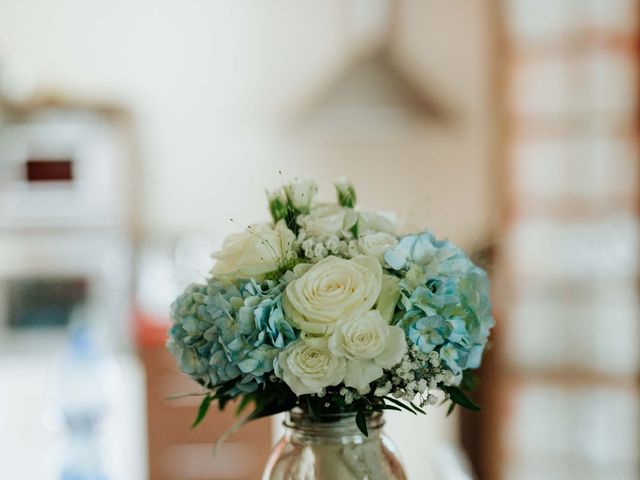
x,y
376,222
254,252
301,193
369,344
329,219
376,243
333,289
308,367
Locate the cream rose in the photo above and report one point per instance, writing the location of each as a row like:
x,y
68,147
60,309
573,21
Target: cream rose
x,y
369,344
325,220
376,222
376,244
333,289
251,254
308,367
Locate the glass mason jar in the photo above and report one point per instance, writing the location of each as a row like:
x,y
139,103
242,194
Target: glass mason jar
x,y
333,448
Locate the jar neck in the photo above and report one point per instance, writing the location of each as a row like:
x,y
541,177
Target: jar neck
x,y
331,428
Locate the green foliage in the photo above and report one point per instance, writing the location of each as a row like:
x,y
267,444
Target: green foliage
x,y
278,206
274,398
346,194
285,267
281,208
361,422
202,411
458,395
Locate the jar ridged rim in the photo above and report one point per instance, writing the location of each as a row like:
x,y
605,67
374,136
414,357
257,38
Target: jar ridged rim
x,y
297,419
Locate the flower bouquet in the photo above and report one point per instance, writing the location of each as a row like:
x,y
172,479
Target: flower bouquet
x,y
326,309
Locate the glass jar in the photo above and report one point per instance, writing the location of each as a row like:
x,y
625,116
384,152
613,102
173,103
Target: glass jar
x,y
333,448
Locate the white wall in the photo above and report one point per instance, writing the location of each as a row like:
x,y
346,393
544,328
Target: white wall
x,y
210,84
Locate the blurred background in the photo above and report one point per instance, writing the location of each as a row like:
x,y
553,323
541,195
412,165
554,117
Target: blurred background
x,y
131,132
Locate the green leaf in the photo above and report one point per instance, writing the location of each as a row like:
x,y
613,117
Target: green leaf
x,y
361,422
451,408
273,399
223,400
202,411
417,408
469,382
458,396
242,404
400,404
386,407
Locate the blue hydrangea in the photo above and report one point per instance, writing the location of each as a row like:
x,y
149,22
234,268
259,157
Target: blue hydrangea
x,y
427,332
444,300
226,331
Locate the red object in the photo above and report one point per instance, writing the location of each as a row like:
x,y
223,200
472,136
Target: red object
x,y
43,170
150,331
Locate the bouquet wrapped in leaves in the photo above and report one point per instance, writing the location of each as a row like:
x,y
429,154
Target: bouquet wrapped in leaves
x,y
327,309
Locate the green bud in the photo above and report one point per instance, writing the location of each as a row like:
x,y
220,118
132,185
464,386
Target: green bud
x,y
278,205
346,193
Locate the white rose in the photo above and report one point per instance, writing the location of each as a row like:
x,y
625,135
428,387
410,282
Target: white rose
x,y
251,254
326,220
369,344
377,222
376,243
301,193
333,289
308,367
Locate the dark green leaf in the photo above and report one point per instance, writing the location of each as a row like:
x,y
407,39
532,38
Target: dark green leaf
x,y
354,230
386,407
418,409
451,408
273,399
242,404
458,396
469,382
271,408
202,411
222,401
361,422
400,404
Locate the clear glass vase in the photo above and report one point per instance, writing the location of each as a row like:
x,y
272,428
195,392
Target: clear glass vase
x,y
332,448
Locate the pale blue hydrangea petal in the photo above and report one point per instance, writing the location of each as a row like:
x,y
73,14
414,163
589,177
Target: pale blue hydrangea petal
x,y
458,331
449,355
427,332
423,250
397,256
475,356
225,331
437,280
